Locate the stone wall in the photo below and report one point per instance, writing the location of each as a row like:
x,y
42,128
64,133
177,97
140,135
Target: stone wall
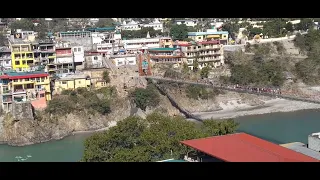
x,y
22,111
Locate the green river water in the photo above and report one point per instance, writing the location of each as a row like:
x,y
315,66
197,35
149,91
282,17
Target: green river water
x,y
276,127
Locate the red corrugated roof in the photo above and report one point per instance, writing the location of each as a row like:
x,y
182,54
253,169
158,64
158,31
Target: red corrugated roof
x,y
242,147
24,76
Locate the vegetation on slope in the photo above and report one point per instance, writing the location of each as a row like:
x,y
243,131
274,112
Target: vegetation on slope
x,y
144,98
97,101
152,139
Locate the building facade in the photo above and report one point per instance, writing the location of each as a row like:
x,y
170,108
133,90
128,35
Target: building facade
x,y
210,34
71,82
206,53
123,60
165,55
22,56
24,86
135,45
5,58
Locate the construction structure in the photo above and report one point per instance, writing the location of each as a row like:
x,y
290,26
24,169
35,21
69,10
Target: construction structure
x,y
165,55
24,86
144,65
240,147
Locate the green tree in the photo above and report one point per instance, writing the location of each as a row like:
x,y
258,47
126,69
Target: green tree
x,y
305,23
104,22
204,73
185,68
195,63
152,139
144,98
106,76
3,40
242,74
289,27
179,32
24,24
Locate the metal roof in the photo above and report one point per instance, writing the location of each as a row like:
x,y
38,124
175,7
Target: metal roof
x,y
242,147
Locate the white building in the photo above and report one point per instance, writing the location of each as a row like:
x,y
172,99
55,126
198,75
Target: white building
x,y
134,45
189,23
78,54
131,26
5,57
156,24
93,60
123,60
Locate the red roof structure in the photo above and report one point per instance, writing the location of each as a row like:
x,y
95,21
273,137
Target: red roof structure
x,y
242,147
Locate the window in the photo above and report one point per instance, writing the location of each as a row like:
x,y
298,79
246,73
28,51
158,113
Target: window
x,y
15,80
64,82
27,79
199,37
41,95
79,82
74,49
17,62
95,58
79,49
42,79
224,36
23,62
7,62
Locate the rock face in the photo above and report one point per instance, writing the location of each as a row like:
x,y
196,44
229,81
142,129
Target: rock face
x,y
16,130
22,111
20,132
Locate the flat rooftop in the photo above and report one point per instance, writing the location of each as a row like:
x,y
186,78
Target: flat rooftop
x,y
73,76
242,147
302,148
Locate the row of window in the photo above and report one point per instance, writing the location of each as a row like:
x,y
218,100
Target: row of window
x,y
23,62
31,79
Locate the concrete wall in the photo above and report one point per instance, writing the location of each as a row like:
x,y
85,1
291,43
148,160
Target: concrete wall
x,y
22,111
314,143
85,42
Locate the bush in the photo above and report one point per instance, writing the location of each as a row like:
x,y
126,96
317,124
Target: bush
x,y
60,105
105,76
196,92
144,98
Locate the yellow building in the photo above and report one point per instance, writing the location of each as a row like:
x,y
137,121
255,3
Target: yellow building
x,y
211,34
25,86
72,82
100,84
22,56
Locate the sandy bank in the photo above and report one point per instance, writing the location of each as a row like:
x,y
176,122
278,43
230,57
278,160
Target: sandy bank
x,y
111,124
233,109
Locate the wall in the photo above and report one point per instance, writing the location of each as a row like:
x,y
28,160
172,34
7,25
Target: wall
x,y
22,111
85,42
121,61
314,143
71,84
64,59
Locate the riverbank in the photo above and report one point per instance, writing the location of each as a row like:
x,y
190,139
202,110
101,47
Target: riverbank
x,y
234,109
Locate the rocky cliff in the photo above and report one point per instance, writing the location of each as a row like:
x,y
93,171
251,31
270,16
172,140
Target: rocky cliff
x,y
17,131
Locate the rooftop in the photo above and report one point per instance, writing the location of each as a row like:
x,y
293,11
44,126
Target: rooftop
x,y
302,148
162,49
73,76
242,147
207,33
172,160
102,29
20,75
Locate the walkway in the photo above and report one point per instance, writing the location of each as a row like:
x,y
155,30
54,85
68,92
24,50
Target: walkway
x,y
264,92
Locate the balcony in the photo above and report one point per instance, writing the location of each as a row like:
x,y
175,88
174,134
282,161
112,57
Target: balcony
x,y
6,99
19,91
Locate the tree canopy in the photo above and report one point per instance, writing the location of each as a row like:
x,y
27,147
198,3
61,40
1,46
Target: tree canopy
x,y
127,34
152,139
144,98
104,22
180,32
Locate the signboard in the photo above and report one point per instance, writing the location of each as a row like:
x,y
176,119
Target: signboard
x,y
144,64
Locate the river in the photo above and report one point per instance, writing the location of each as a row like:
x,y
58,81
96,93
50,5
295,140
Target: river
x,y
276,127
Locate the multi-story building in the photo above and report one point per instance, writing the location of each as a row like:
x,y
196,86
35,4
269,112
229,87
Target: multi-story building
x,y
24,86
64,61
165,55
165,42
207,53
5,58
82,38
156,25
93,60
22,56
72,82
131,26
135,45
210,34
46,56
123,60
